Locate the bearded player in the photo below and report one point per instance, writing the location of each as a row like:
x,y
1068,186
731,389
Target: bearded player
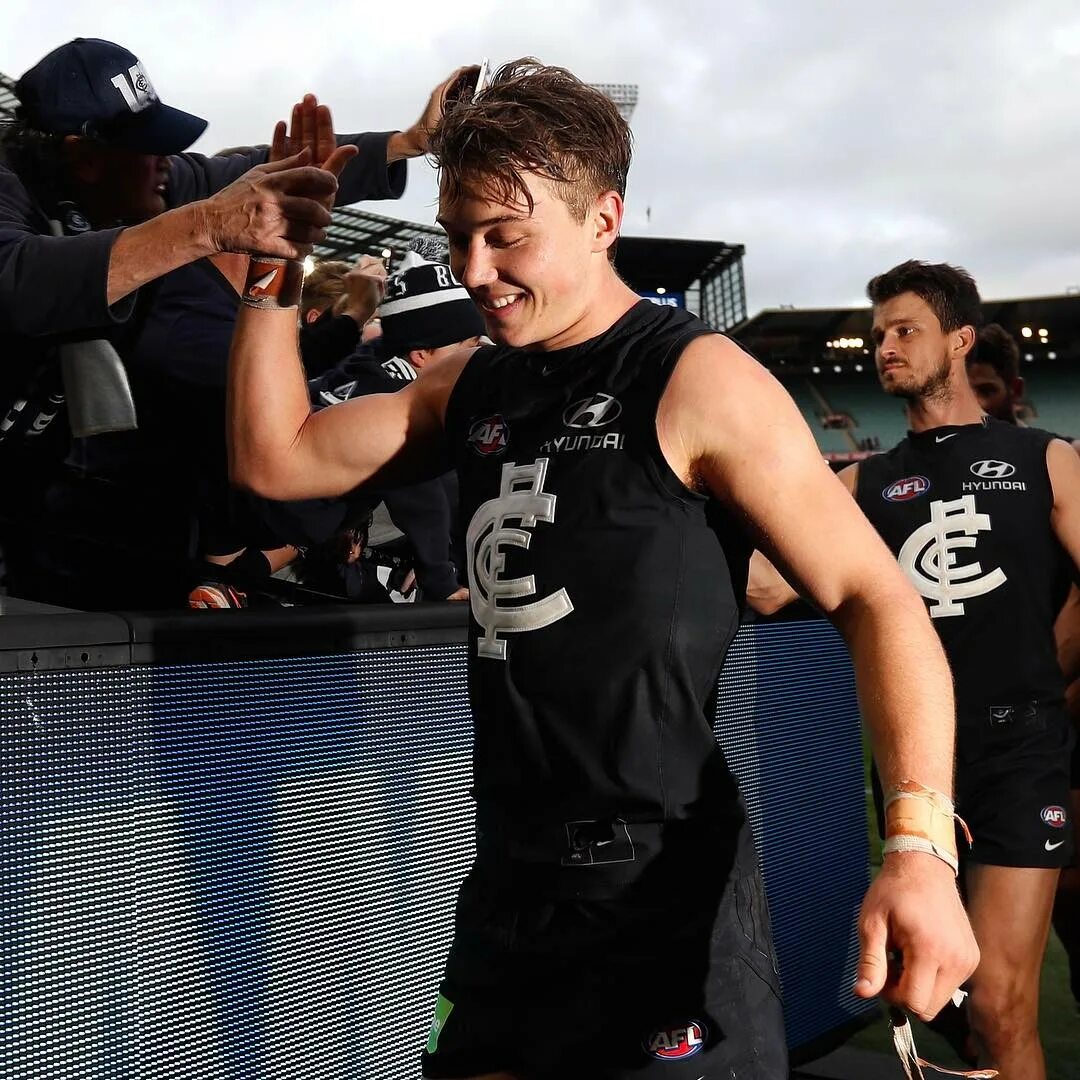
x,y
983,517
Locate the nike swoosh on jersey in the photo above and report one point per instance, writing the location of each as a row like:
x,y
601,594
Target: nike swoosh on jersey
x,y
1053,847
942,438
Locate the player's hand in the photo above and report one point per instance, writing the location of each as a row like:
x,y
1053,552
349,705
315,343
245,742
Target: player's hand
x,y
365,285
459,594
414,141
913,909
311,127
280,208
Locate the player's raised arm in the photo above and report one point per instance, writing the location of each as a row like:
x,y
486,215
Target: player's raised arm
x,y
726,420
277,446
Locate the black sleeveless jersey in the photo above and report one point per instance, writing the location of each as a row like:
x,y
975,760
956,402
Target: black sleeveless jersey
x,y
966,510
604,593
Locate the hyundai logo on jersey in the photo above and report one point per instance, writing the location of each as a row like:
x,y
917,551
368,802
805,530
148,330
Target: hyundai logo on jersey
x,y
489,436
674,1043
593,412
992,470
911,487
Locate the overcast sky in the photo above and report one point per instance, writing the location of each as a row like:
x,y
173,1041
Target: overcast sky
x,y
833,139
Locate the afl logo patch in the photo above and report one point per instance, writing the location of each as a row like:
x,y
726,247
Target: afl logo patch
x,y
593,412
489,436
992,470
911,487
1054,816
676,1043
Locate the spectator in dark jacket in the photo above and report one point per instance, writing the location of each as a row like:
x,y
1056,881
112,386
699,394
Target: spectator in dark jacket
x,y
96,201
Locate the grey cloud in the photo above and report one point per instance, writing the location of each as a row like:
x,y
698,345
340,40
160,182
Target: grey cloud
x,y
832,138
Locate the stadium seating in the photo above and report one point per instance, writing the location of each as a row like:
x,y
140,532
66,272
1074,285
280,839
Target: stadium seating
x,y
1054,395
876,415
830,440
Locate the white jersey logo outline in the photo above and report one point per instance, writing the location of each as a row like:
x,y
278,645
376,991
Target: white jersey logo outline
x,y
522,499
928,557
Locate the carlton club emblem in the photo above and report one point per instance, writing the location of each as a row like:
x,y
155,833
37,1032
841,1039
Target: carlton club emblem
x,y
676,1043
521,500
929,557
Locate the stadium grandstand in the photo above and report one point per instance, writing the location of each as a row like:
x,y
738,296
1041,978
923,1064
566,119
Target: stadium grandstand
x,y
704,276
824,358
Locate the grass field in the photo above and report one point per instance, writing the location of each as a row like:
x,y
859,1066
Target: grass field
x,y
1059,1022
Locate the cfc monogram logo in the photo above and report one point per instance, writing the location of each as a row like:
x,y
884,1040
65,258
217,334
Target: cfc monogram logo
x,y
929,555
521,500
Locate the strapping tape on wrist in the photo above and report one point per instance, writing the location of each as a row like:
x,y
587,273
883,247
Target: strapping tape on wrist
x,y
918,818
273,284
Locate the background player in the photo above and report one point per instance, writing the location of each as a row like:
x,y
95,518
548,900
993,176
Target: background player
x,y
1009,498
606,440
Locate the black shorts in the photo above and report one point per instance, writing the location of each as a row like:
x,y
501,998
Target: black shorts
x,y
1012,787
671,983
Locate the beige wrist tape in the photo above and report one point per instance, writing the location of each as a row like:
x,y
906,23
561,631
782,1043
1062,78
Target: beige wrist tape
x,y
272,283
918,818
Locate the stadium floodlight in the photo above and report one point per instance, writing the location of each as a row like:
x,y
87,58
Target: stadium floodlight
x,y
1025,331
858,367
625,96
1051,356
660,290
816,370
837,368
1028,357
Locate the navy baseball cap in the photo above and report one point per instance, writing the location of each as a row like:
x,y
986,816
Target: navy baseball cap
x,y
99,90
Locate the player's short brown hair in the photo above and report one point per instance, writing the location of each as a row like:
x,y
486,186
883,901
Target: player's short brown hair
x,y
949,291
532,119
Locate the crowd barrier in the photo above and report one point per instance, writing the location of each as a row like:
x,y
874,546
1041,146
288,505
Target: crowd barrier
x,y
231,841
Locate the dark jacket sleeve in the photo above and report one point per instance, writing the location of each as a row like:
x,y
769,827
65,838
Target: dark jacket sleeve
x,y
422,513
366,177
51,285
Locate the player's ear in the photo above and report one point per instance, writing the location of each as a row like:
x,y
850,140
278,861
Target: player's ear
x,y
606,219
964,340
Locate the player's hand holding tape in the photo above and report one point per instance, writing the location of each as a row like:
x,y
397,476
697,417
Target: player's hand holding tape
x,y
913,909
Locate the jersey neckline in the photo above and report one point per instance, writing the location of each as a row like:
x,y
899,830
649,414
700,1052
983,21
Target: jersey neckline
x,y
945,433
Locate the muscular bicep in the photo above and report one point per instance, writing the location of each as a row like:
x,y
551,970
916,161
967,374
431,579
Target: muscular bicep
x,y
736,428
378,439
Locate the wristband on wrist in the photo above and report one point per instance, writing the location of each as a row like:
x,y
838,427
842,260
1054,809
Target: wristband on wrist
x,y
272,283
918,818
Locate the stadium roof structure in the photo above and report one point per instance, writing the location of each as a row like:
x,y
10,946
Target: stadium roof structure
x,y
8,100
709,273
797,338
